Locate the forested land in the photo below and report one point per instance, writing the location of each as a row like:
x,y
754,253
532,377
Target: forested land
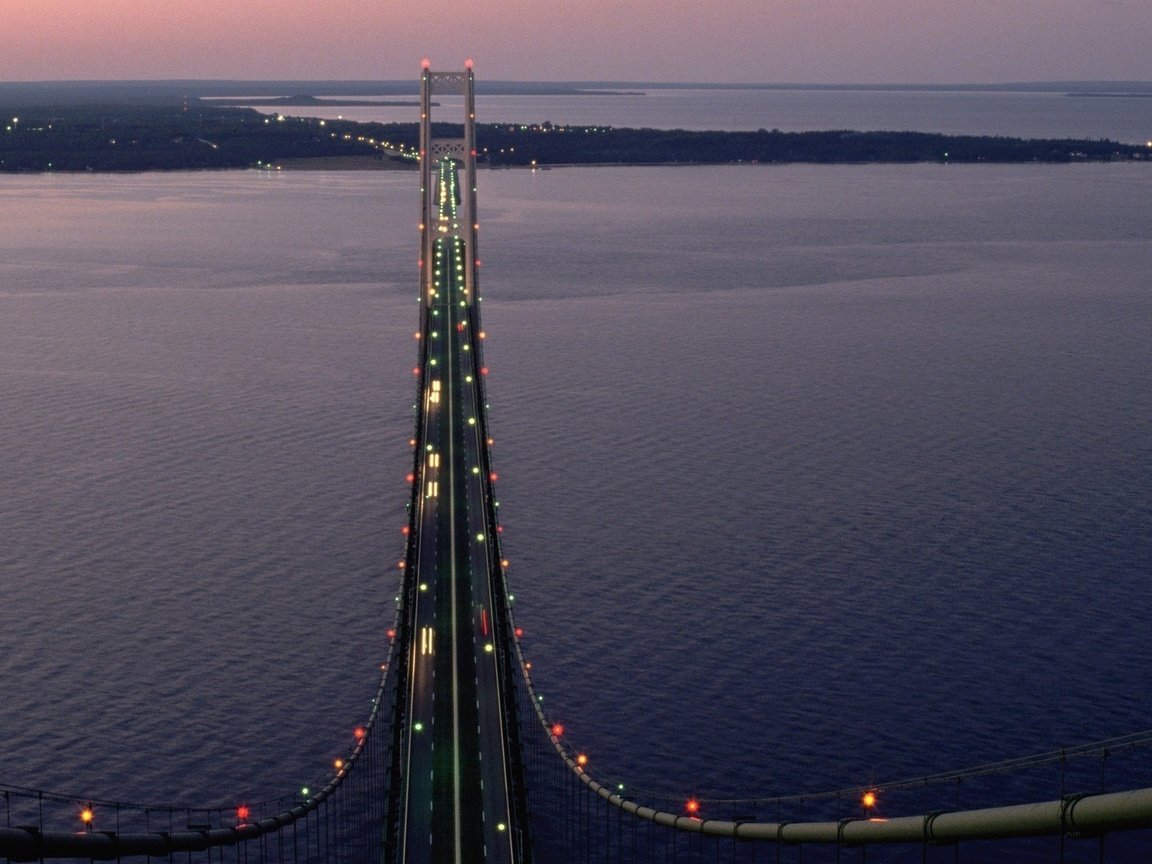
x,y
189,136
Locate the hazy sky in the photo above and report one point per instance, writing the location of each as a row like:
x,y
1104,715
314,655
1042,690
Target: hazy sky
x,y
812,41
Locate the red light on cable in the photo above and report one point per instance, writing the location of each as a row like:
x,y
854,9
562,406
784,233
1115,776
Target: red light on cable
x,y
557,729
692,806
242,813
519,632
360,733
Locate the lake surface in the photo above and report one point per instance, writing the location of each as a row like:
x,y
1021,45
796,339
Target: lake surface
x,y
810,476
1022,114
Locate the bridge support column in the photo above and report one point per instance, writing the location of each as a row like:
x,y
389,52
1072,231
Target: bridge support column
x,y
463,150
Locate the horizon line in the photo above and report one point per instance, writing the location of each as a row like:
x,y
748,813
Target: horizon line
x,y
1048,82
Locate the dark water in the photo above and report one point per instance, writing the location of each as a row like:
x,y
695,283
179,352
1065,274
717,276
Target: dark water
x,y
810,477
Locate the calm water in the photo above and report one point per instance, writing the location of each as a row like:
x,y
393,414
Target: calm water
x,y
838,475
1019,114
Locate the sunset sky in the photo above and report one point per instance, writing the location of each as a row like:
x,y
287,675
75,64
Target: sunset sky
x,y
794,41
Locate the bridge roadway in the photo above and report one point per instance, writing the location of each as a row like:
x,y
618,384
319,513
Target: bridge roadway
x,y
457,800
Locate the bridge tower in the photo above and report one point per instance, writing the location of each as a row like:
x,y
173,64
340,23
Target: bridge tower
x,y
432,151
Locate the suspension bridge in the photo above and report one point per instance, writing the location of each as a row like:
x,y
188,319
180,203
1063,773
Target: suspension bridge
x,y
457,760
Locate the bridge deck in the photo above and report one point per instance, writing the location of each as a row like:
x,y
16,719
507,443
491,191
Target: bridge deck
x,y
458,804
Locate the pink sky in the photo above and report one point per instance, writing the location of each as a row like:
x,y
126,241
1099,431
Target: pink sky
x,y
811,41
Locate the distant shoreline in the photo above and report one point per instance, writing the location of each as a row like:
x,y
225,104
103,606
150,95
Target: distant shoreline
x,y
341,163
1111,95
198,136
88,91
304,102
